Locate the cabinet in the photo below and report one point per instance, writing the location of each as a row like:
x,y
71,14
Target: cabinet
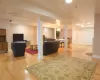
x,y
0,46
3,43
2,32
4,46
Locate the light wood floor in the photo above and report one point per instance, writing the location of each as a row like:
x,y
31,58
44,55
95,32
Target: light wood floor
x,y
12,68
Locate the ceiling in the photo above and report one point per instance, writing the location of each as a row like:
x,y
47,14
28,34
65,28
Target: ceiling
x,y
97,8
28,11
25,13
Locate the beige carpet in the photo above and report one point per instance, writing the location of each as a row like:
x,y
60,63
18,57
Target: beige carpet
x,y
63,68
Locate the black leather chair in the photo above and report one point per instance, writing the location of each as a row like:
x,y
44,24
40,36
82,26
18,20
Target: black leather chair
x,y
18,48
50,47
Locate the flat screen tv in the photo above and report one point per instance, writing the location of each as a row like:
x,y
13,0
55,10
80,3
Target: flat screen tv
x,y
18,37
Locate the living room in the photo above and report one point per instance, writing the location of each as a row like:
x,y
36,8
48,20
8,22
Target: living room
x,y
45,42
29,32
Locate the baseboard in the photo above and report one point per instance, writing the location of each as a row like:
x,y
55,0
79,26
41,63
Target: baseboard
x,y
96,56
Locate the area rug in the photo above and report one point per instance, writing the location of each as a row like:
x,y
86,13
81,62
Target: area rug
x,y
63,68
31,51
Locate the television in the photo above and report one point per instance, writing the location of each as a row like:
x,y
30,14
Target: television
x,y
18,37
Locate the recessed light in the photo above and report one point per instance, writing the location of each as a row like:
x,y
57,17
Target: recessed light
x,y
68,1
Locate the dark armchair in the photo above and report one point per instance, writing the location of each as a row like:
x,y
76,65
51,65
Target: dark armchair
x,y
18,48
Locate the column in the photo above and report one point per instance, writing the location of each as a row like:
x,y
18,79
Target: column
x,y
9,35
54,33
40,39
96,39
65,37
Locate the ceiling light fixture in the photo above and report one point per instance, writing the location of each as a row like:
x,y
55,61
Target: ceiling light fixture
x,y
68,1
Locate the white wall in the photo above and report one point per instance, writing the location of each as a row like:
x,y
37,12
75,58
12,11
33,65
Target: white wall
x,y
30,32
48,32
69,33
83,36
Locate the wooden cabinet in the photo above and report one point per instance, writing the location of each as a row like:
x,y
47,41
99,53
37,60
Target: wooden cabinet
x,y
2,32
0,46
3,43
4,46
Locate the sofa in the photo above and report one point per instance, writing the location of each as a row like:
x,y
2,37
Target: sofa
x,y
50,46
18,48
